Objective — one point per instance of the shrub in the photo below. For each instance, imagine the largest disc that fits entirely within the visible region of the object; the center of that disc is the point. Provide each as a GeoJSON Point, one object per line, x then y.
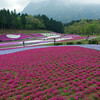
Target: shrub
{"type": "Point", "coordinates": [93, 41]}
{"type": "Point", "coordinates": [58, 43]}
{"type": "Point", "coordinates": [69, 43]}
{"type": "Point", "coordinates": [79, 42]}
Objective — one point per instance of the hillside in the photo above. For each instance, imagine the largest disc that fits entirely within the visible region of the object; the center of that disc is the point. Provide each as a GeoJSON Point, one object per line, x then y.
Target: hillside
{"type": "Point", "coordinates": [61, 11]}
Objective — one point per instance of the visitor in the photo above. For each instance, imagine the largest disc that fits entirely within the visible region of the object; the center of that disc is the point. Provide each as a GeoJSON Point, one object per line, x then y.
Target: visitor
{"type": "Point", "coordinates": [23, 43]}
{"type": "Point", "coordinates": [54, 40]}
{"type": "Point", "coordinates": [87, 37]}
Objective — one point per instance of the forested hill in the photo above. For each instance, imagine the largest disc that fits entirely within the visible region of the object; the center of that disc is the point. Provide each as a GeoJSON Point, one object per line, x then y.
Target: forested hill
{"type": "Point", "coordinates": [85, 27]}
{"type": "Point", "coordinates": [64, 12]}
{"type": "Point", "coordinates": [12, 20]}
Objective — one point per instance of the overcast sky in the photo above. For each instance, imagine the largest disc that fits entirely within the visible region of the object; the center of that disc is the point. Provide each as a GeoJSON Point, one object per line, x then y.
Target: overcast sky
{"type": "Point", "coordinates": [20, 4]}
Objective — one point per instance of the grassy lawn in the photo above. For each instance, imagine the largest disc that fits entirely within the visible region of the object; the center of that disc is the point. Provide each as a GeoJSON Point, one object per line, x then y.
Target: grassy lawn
{"type": "Point", "coordinates": [22, 31]}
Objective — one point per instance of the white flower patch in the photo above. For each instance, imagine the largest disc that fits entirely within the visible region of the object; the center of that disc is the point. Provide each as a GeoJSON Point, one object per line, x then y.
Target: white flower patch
{"type": "Point", "coordinates": [13, 36]}
{"type": "Point", "coordinates": [56, 36]}
{"type": "Point", "coordinates": [48, 34]}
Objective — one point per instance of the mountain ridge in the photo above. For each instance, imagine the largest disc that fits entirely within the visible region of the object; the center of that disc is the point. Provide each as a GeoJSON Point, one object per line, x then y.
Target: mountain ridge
{"type": "Point", "coordinates": [63, 12]}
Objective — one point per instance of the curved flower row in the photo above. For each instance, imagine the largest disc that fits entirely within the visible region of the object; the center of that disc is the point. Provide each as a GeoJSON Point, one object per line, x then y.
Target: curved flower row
{"type": "Point", "coordinates": [36, 35]}
{"type": "Point", "coordinates": [73, 38]}
{"type": "Point", "coordinates": [53, 73]}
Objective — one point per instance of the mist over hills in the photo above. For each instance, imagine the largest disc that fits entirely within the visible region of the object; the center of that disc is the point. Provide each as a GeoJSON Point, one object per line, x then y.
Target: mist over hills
{"type": "Point", "coordinates": [64, 12]}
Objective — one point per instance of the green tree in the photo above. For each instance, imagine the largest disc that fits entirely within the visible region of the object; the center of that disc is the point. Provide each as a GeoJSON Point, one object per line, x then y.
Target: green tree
{"type": "Point", "coordinates": [14, 20]}
{"type": "Point", "coordinates": [3, 18]}
{"type": "Point", "coordinates": [18, 22]}
{"type": "Point", "coordinates": [23, 20]}
{"type": "Point", "coordinates": [38, 24]}
{"type": "Point", "coordinates": [89, 29]}
{"type": "Point", "coordinates": [29, 22]}
{"type": "Point", "coordinates": [33, 23]}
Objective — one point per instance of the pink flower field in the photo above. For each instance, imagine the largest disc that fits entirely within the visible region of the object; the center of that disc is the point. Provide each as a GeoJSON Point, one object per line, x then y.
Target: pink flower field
{"type": "Point", "coordinates": [53, 73]}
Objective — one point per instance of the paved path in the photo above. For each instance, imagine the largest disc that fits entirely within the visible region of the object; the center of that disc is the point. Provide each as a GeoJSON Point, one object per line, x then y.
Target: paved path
{"type": "Point", "coordinates": [19, 49]}
{"type": "Point", "coordinates": [96, 47]}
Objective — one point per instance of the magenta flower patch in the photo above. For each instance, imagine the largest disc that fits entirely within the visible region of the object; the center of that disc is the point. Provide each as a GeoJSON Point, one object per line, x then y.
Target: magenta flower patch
{"type": "Point", "coordinates": [53, 73]}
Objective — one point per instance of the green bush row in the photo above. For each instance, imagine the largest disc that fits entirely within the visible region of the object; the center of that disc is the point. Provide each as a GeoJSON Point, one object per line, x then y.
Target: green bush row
{"type": "Point", "coordinates": [93, 41]}
{"type": "Point", "coordinates": [58, 43]}
{"type": "Point", "coordinates": [71, 43]}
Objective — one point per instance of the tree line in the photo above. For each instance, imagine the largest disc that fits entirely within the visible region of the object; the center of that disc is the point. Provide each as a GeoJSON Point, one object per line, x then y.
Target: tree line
{"type": "Point", "coordinates": [12, 20]}
{"type": "Point", "coordinates": [83, 26]}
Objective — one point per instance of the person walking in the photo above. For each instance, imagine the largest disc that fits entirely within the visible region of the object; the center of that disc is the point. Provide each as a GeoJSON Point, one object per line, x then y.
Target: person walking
{"type": "Point", "coordinates": [87, 37]}
{"type": "Point", "coordinates": [23, 43]}
{"type": "Point", "coordinates": [54, 40]}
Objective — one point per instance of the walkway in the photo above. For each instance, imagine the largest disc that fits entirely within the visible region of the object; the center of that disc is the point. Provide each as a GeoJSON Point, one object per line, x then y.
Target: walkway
{"type": "Point", "coordinates": [96, 47]}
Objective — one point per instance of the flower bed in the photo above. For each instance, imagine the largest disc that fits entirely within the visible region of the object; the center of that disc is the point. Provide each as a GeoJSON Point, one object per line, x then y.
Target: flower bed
{"type": "Point", "coordinates": [50, 34]}
{"type": "Point", "coordinates": [74, 38]}
{"type": "Point", "coordinates": [36, 35]}
{"type": "Point", "coordinates": [9, 37]}
{"type": "Point", "coordinates": [53, 73]}
{"type": "Point", "coordinates": [73, 35]}
{"type": "Point", "coordinates": [9, 43]}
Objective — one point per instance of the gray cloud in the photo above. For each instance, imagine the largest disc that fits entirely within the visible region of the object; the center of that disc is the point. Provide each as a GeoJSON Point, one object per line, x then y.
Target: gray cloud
{"type": "Point", "coordinates": [20, 4]}
{"type": "Point", "coordinates": [38, 0]}
{"type": "Point", "coordinates": [73, 1]}
{"type": "Point", "coordinates": [13, 4]}
{"type": "Point", "coordinates": [83, 1]}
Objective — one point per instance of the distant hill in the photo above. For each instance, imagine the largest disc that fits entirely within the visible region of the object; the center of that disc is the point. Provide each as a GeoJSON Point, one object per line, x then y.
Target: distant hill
{"type": "Point", "coordinates": [61, 11]}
